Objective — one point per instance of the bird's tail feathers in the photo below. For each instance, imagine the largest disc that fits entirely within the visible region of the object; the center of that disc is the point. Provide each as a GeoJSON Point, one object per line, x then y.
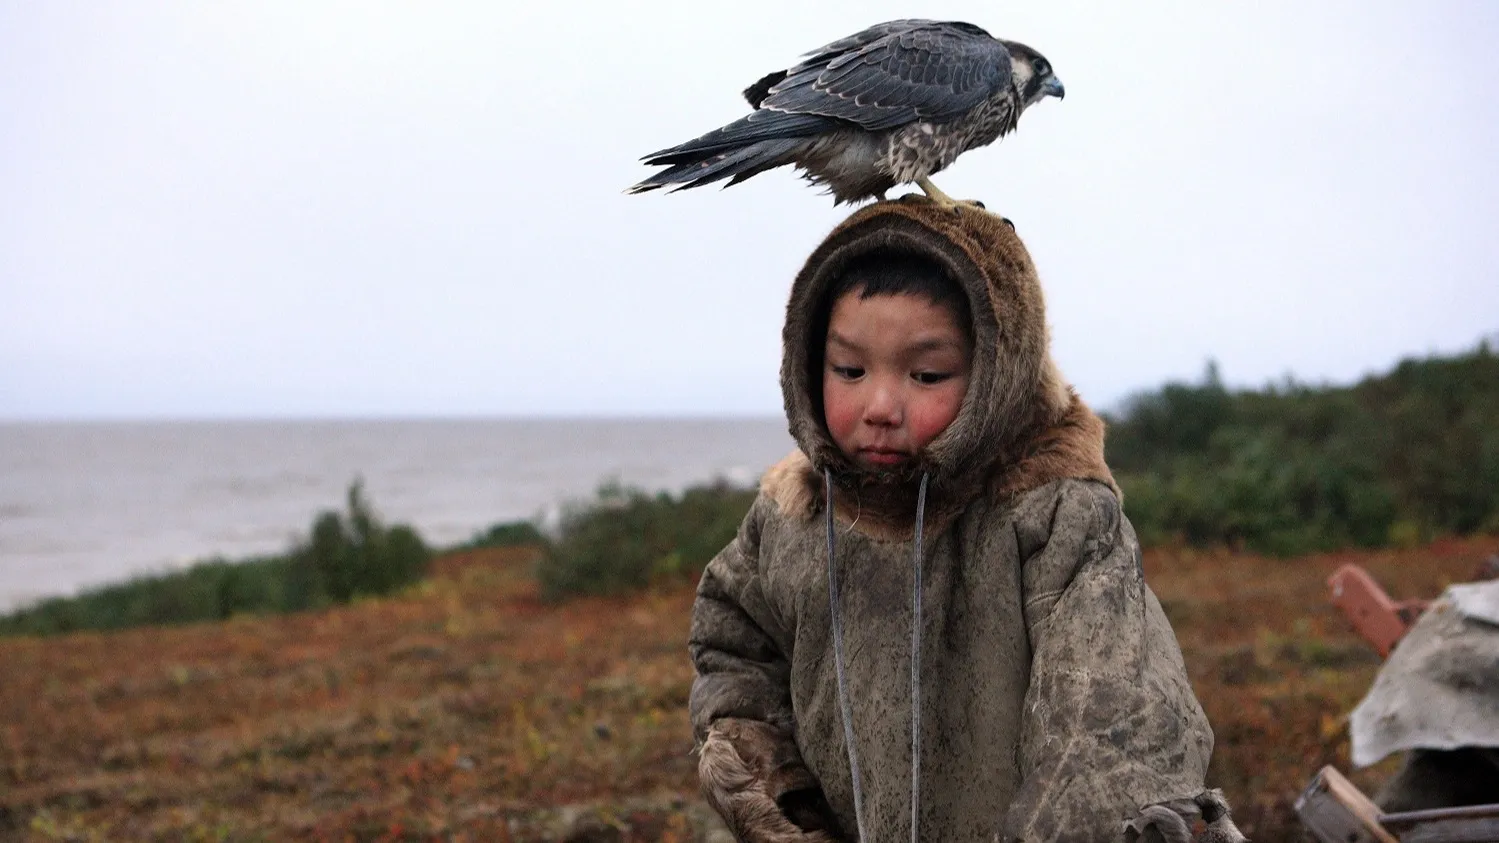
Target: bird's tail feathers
{"type": "Point", "coordinates": [751, 128]}
{"type": "Point", "coordinates": [712, 166]}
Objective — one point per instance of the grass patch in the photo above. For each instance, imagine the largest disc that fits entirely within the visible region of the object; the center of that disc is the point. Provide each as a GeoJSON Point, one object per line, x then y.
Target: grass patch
{"type": "Point", "coordinates": [308, 727]}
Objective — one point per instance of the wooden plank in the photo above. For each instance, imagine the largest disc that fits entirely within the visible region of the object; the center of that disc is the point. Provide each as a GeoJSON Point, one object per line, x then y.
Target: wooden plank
{"type": "Point", "coordinates": [1337, 812]}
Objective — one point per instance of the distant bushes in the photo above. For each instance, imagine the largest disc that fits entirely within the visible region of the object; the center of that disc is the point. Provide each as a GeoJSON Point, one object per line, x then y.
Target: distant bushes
{"type": "Point", "coordinates": [1394, 459]}
{"type": "Point", "coordinates": [626, 538]}
{"type": "Point", "coordinates": [505, 534]}
{"type": "Point", "coordinates": [347, 555]}
{"type": "Point", "coordinates": [206, 591]}
{"type": "Point", "coordinates": [621, 539]}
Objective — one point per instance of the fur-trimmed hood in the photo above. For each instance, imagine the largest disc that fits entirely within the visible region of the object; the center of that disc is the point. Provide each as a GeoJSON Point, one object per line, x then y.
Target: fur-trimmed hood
{"type": "Point", "coordinates": [1020, 425]}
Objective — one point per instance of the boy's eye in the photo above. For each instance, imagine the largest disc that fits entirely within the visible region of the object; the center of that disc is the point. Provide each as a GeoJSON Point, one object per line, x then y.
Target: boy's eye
{"type": "Point", "coordinates": [848, 373]}
{"type": "Point", "coordinates": [931, 378]}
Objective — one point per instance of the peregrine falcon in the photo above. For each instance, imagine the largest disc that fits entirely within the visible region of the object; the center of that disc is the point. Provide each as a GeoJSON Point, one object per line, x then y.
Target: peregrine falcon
{"type": "Point", "coordinates": [890, 105]}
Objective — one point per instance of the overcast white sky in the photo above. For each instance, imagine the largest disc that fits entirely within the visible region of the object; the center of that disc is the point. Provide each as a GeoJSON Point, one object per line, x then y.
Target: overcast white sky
{"type": "Point", "coordinates": [347, 209]}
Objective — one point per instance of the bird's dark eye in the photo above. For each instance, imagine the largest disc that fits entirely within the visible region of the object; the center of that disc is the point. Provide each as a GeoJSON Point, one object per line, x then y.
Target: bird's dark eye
{"type": "Point", "coordinates": [1041, 67]}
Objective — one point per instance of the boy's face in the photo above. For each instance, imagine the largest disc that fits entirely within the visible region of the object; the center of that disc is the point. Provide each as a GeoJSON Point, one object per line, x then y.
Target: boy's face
{"type": "Point", "coordinates": [895, 372]}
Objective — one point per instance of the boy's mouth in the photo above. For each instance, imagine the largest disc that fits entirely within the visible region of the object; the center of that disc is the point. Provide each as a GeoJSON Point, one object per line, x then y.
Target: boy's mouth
{"type": "Point", "coordinates": [882, 456]}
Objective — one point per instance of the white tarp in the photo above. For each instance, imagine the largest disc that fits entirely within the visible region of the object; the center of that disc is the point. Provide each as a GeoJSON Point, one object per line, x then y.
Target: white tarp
{"type": "Point", "coordinates": [1478, 600]}
{"type": "Point", "coordinates": [1439, 689]}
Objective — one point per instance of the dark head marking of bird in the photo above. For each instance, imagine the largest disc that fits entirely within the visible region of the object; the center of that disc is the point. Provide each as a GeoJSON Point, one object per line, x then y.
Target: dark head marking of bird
{"type": "Point", "coordinates": [1033, 74]}
{"type": "Point", "coordinates": [890, 105]}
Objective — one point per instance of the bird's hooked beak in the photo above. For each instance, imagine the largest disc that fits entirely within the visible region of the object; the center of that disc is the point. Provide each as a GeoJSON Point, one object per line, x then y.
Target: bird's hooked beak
{"type": "Point", "coordinates": [1053, 88]}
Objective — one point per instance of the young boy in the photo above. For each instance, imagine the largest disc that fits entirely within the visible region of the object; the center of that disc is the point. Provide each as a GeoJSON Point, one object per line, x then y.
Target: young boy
{"type": "Point", "coordinates": [945, 549]}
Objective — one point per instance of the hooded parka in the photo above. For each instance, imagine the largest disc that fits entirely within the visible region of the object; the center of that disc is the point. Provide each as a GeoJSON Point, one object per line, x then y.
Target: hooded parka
{"type": "Point", "coordinates": [1054, 704]}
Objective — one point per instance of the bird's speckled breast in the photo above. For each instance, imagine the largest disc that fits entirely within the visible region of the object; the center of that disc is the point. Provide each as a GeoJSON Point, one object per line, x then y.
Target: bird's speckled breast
{"type": "Point", "coordinates": [923, 148]}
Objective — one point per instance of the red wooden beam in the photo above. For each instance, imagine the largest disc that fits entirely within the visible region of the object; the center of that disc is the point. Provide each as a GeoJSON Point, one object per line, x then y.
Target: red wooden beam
{"type": "Point", "coordinates": [1380, 620]}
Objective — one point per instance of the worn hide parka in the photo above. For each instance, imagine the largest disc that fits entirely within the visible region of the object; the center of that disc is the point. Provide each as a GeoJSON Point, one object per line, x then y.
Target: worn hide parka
{"type": "Point", "coordinates": [1053, 702]}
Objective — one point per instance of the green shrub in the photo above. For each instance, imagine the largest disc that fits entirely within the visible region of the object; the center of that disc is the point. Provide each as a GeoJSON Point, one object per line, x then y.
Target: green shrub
{"type": "Point", "coordinates": [355, 555]}
{"type": "Point", "coordinates": [626, 538]}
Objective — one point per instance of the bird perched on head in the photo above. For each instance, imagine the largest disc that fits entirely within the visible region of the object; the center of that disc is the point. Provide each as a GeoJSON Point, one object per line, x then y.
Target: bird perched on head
{"type": "Point", "coordinates": [887, 106]}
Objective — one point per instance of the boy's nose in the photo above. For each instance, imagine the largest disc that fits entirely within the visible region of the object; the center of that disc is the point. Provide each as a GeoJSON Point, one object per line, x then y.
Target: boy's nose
{"type": "Point", "coordinates": [883, 408]}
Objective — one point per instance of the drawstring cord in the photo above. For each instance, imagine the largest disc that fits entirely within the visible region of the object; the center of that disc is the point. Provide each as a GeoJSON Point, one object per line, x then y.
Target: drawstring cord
{"type": "Point", "coordinates": [843, 702]}
{"type": "Point", "coordinates": [916, 625]}
{"type": "Point", "coordinates": [844, 705]}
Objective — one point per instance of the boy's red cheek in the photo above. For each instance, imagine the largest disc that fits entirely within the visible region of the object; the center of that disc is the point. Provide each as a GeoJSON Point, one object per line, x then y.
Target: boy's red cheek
{"type": "Point", "coordinates": [839, 412]}
{"type": "Point", "coordinates": [928, 421]}
{"type": "Point", "coordinates": [926, 427]}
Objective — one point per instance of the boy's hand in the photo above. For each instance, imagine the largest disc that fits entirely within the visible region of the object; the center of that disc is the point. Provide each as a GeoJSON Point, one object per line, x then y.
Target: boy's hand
{"type": "Point", "coordinates": [753, 776]}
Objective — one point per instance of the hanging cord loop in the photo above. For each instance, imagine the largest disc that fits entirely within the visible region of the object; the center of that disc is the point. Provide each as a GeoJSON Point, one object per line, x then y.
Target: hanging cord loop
{"type": "Point", "coordinates": [845, 707]}
{"type": "Point", "coordinates": [916, 624]}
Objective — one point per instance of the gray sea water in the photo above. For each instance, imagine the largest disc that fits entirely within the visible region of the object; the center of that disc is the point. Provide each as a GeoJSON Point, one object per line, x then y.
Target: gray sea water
{"type": "Point", "coordinates": [84, 504]}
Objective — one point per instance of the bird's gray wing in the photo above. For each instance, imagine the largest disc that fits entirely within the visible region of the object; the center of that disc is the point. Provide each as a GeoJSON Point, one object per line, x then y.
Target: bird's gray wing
{"type": "Point", "coordinates": [820, 57]}
{"type": "Point", "coordinates": [827, 52]}
{"type": "Point", "coordinates": [911, 70]}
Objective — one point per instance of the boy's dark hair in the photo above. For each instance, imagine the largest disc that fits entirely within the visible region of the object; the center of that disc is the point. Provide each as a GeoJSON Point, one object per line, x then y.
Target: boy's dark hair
{"type": "Point", "coordinates": [890, 273]}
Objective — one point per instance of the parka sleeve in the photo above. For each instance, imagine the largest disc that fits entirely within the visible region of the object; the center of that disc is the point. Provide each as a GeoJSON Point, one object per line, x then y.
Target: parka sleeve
{"type": "Point", "coordinates": [749, 766]}
{"type": "Point", "coordinates": [1111, 724]}
{"type": "Point", "coordinates": [741, 669]}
